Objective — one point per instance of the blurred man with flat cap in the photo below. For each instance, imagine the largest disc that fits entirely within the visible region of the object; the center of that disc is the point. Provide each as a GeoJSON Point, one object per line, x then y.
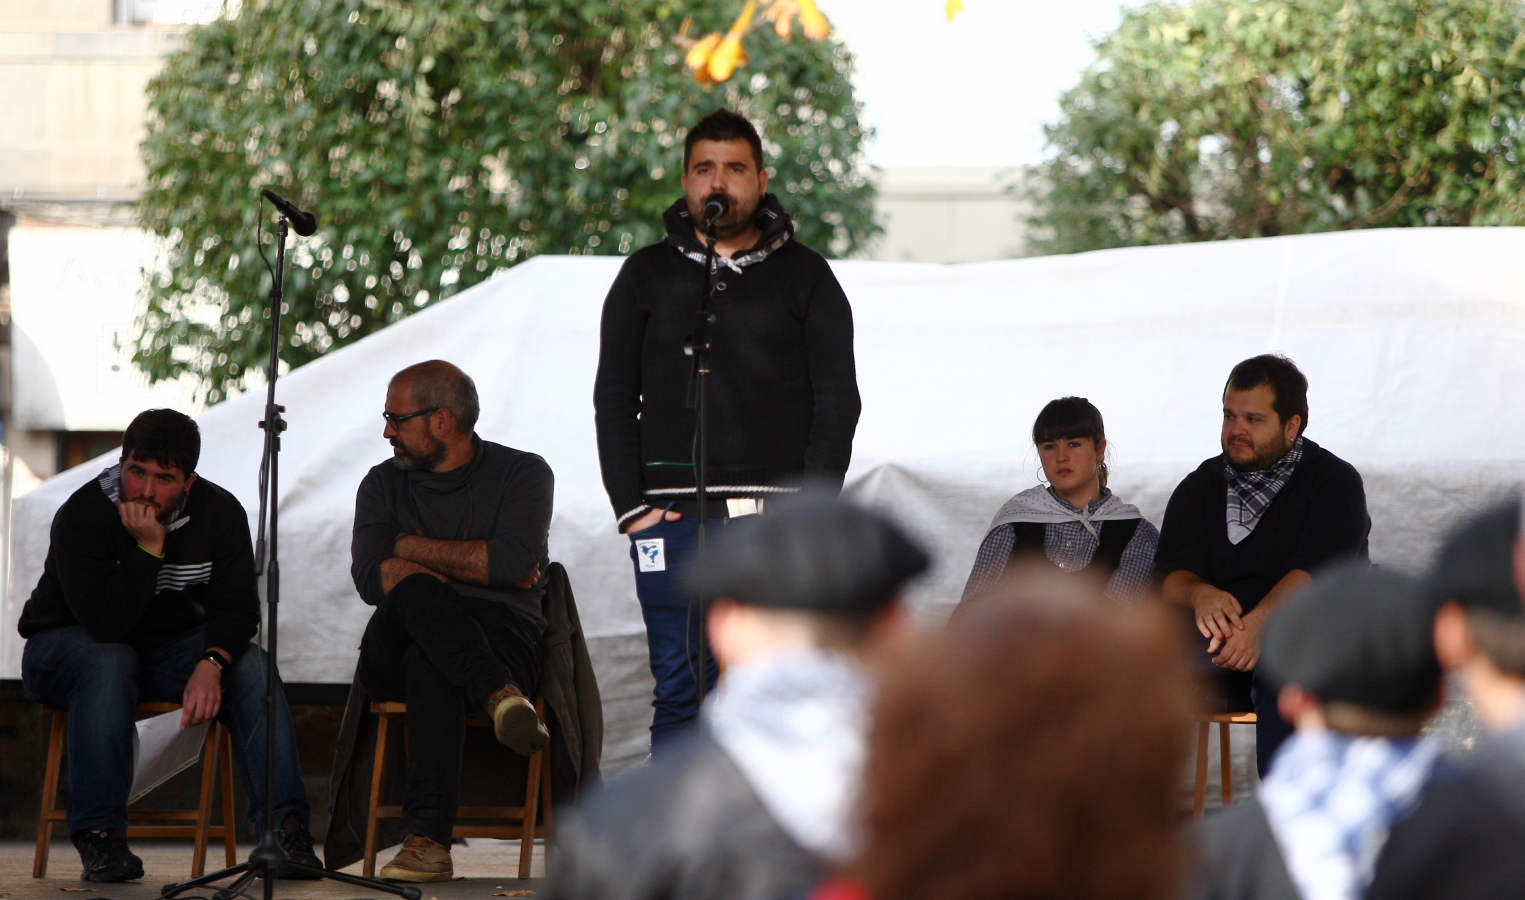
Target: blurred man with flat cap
{"type": "Point", "coordinates": [1466, 837]}
{"type": "Point", "coordinates": [754, 803]}
{"type": "Point", "coordinates": [1360, 679]}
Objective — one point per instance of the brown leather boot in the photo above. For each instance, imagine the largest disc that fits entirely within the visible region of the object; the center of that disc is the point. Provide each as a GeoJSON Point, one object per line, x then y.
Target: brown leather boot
{"type": "Point", "coordinates": [420, 859]}
{"type": "Point", "coordinates": [514, 721]}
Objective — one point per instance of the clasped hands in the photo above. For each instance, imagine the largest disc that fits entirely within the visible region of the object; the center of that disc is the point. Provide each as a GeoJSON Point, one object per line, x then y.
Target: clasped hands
{"type": "Point", "coordinates": [1233, 637]}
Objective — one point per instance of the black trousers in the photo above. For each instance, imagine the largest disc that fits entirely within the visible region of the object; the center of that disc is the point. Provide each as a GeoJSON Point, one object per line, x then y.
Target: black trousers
{"type": "Point", "coordinates": [1223, 690]}
{"type": "Point", "coordinates": [443, 654]}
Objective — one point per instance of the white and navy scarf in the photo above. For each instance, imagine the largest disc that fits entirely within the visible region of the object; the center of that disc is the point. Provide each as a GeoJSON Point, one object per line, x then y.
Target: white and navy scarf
{"type": "Point", "coordinates": [1331, 799]}
{"type": "Point", "coordinates": [1251, 493]}
{"type": "Point", "coordinates": [795, 726]}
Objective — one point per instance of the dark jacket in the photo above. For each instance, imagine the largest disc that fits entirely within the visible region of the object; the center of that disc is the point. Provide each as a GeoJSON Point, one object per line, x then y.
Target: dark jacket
{"type": "Point", "coordinates": [1319, 515]}
{"type": "Point", "coordinates": [782, 397]}
{"type": "Point", "coordinates": [689, 827]}
{"type": "Point", "coordinates": [1238, 859]}
{"type": "Point", "coordinates": [95, 574]}
{"type": "Point", "coordinates": [574, 712]}
{"type": "Point", "coordinates": [1463, 840]}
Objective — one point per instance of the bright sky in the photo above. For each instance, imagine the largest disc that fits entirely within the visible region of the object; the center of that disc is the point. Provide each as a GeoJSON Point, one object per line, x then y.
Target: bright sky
{"type": "Point", "coordinates": [974, 92]}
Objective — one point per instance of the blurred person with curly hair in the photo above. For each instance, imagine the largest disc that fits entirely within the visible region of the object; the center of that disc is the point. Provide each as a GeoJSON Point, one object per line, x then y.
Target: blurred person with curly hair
{"type": "Point", "coordinates": [997, 767]}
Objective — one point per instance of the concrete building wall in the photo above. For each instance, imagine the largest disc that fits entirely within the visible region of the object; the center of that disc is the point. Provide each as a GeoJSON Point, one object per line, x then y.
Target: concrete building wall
{"type": "Point", "coordinates": [73, 80]}
{"type": "Point", "coordinates": [949, 215]}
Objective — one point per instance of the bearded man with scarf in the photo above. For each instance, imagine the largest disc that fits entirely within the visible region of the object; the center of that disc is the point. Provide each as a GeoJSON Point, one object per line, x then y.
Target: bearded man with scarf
{"type": "Point", "coordinates": [782, 390]}
{"type": "Point", "coordinates": [1243, 531]}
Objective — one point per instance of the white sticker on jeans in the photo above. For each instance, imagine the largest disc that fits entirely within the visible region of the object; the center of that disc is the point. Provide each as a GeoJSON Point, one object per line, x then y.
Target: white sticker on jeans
{"type": "Point", "coordinates": [649, 556]}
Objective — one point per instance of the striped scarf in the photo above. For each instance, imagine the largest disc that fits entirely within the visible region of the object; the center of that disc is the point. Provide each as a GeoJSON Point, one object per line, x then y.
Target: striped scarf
{"type": "Point", "coordinates": [1251, 493]}
{"type": "Point", "coordinates": [1331, 799]}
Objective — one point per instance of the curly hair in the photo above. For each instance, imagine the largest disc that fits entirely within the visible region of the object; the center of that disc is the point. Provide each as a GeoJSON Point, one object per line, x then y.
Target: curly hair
{"type": "Point", "coordinates": [1031, 749]}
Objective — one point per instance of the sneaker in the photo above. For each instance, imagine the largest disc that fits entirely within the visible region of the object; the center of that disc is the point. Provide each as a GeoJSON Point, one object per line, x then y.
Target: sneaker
{"type": "Point", "coordinates": [296, 840]}
{"type": "Point", "coordinates": [515, 722]}
{"type": "Point", "coordinates": [420, 859]}
{"type": "Point", "coordinates": [106, 856]}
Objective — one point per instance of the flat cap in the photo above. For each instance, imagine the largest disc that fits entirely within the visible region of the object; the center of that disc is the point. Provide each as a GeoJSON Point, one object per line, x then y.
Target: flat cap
{"type": "Point", "coordinates": [1475, 565]}
{"type": "Point", "coordinates": [1357, 635]}
{"type": "Point", "coordinates": [815, 552]}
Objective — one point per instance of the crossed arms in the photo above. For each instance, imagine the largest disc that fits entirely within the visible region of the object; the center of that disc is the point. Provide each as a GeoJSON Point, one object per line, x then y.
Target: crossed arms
{"type": "Point", "coordinates": [464, 561]}
{"type": "Point", "coordinates": [502, 547]}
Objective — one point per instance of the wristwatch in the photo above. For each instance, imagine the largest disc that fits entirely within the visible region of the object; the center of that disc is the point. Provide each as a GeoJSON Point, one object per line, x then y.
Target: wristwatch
{"type": "Point", "coordinates": [215, 659]}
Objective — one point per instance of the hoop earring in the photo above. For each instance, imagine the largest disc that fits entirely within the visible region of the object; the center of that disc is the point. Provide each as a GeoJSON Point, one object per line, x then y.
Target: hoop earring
{"type": "Point", "coordinates": [1040, 477]}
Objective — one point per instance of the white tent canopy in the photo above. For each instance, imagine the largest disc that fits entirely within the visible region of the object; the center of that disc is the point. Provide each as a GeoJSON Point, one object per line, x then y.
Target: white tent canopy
{"type": "Point", "coordinates": [1411, 340]}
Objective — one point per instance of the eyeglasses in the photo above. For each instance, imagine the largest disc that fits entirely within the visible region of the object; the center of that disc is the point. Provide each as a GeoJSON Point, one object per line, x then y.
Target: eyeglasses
{"type": "Point", "coordinates": [396, 419]}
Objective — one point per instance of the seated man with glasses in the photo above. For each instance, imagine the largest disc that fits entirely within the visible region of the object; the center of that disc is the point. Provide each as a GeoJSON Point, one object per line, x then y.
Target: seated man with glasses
{"type": "Point", "coordinates": [450, 547]}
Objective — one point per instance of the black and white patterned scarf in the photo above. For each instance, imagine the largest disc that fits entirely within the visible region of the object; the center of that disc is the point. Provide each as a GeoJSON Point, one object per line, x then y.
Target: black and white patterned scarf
{"type": "Point", "coordinates": [1251, 493]}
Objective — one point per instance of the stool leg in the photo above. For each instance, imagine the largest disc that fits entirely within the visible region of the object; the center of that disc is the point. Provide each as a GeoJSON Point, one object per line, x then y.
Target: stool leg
{"type": "Point", "coordinates": [229, 831]}
{"type": "Point", "coordinates": [546, 804]}
{"type": "Point", "coordinates": [204, 804]}
{"type": "Point", "coordinates": [1226, 764]}
{"type": "Point", "coordinates": [378, 760]}
{"type": "Point", "coordinates": [49, 793]}
{"type": "Point", "coordinates": [1199, 796]}
{"type": "Point", "coordinates": [531, 810]}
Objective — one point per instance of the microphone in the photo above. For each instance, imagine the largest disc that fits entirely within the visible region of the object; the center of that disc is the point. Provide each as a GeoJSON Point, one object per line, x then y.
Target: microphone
{"type": "Point", "coordinates": [715, 206]}
{"type": "Point", "coordinates": [303, 223]}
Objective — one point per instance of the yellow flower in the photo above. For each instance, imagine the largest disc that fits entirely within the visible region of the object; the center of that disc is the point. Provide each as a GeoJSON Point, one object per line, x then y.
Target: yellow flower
{"type": "Point", "coordinates": [699, 55]}
{"type": "Point", "coordinates": [728, 54]}
{"type": "Point", "coordinates": [782, 13]}
{"type": "Point", "coordinates": [726, 58]}
{"type": "Point", "coordinates": [812, 22]}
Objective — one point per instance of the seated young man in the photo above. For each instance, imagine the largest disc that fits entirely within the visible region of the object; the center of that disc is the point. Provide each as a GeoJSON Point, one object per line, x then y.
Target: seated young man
{"type": "Point", "coordinates": [148, 593]}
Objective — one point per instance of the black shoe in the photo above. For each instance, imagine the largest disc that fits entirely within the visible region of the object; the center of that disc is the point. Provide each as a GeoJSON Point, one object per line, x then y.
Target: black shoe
{"type": "Point", "coordinates": [106, 856]}
{"type": "Point", "coordinates": [296, 840]}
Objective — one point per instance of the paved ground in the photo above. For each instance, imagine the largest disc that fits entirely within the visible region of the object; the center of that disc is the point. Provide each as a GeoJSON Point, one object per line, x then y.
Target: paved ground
{"type": "Point", "coordinates": [483, 868]}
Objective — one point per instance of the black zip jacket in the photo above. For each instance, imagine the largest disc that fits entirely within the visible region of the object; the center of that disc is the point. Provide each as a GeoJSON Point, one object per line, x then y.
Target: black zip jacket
{"type": "Point", "coordinates": [783, 393]}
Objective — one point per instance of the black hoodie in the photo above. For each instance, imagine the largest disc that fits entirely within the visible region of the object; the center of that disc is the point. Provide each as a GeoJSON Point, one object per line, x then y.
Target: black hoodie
{"type": "Point", "coordinates": [783, 391]}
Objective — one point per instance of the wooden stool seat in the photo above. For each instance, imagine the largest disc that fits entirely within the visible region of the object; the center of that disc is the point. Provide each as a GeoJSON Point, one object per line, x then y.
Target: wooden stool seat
{"type": "Point", "coordinates": [527, 822]}
{"type": "Point", "coordinates": [216, 752]}
{"type": "Point", "coordinates": [1225, 761]}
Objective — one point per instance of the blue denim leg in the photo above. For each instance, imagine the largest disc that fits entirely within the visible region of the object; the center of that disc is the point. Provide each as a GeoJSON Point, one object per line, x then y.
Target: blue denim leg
{"type": "Point", "coordinates": [98, 684]}
{"type": "Point", "coordinates": [673, 626]}
{"type": "Point", "coordinates": [167, 665]}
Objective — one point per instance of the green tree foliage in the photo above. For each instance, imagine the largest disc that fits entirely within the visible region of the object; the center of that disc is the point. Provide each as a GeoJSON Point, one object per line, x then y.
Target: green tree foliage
{"type": "Point", "coordinates": [441, 142]}
{"type": "Point", "coordinates": [1239, 118]}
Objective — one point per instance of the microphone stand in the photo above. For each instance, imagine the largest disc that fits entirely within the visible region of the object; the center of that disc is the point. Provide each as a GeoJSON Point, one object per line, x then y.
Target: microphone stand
{"type": "Point", "coordinates": [268, 860]}
{"type": "Point", "coordinates": [698, 346]}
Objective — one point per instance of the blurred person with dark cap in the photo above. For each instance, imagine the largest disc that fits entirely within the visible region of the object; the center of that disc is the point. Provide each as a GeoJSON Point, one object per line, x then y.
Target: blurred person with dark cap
{"type": "Point", "coordinates": [1360, 680]}
{"type": "Point", "coordinates": [1467, 836]}
{"type": "Point", "coordinates": [754, 803]}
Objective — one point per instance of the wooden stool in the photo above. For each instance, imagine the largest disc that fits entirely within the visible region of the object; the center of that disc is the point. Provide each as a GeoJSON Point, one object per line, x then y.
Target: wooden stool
{"type": "Point", "coordinates": [177, 823]}
{"type": "Point", "coordinates": [1225, 761]}
{"type": "Point", "coordinates": [527, 822]}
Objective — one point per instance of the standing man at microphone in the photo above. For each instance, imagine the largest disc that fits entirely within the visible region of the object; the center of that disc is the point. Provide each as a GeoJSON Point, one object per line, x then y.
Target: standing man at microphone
{"type": "Point", "coordinates": [782, 390]}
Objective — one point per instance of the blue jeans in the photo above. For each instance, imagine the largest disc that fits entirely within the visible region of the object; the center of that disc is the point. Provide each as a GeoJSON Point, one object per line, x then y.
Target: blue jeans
{"type": "Point", "coordinates": [673, 625]}
{"type": "Point", "coordinates": [101, 683]}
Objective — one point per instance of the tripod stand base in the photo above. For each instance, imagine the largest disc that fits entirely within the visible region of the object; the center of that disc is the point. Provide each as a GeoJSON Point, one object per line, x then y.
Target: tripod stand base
{"type": "Point", "coordinates": [268, 861]}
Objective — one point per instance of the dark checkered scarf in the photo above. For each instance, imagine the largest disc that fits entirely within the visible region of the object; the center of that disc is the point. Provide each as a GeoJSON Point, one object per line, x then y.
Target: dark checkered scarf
{"type": "Point", "coordinates": [1251, 493]}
